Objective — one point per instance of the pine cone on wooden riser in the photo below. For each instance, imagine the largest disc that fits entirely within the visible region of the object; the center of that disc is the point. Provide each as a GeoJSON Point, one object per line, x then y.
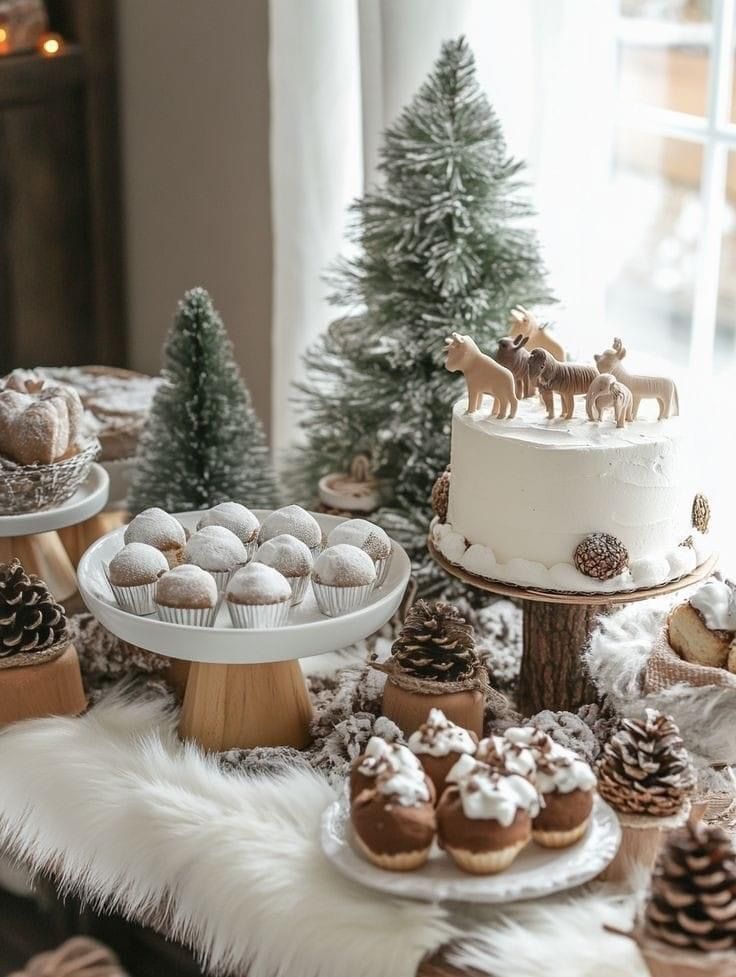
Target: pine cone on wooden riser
{"type": "Point", "coordinates": [645, 768]}
{"type": "Point", "coordinates": [30, 618]}
{"type": "Point", "coordinates": [436, 642]}
{"type": "Point", "coordinates": [693, 896]}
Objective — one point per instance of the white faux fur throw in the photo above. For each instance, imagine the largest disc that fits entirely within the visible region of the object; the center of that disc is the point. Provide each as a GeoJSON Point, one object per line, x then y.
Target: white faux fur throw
{"type": "Point", "coordinates": [133, 820]}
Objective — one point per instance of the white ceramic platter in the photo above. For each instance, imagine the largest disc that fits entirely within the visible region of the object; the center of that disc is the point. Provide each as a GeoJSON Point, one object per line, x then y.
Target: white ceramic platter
{"type": "Point", "coordinates": [307, 632]}
{"type": "Point", "coordinates": [536, 871]}
{"type": "Point", "coordinates": [89, 499]}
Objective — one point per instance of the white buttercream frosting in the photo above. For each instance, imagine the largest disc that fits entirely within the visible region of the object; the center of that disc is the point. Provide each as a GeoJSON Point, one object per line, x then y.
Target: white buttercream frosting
{"type": "Point", "coordinates": [404, 786]}
{"type": "Point", "coordinates": [716, 601]}
{"type": "Point", "coordinates": [439, 737]}
{"type": "Point", "coordinates": [380, 755]}
{"type": "Point", "coordinates": [556, 481]}
{"type": "Point", "coordinates": [513, 757]}
{"type": "Point", "coordinates": [489, 797]}
{"type": "Point", "coordinates": [564, 772]}
{"type": "Point", "coordinates": [463, 767]}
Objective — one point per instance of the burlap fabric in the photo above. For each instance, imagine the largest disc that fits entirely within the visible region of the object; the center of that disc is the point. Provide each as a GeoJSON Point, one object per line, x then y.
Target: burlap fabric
{"type": "Point", "coordinates": [478, 681]}
{"type": "Point", "coordinates": [665, 668]}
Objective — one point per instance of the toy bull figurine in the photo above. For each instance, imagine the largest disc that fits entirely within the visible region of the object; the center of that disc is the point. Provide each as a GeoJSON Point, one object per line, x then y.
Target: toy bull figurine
{"type": "Point", "coordinates": [661, 389]}
{"type": "Point", "coordinates": [482, 376]}
{"type": "Point", "coordinates": [526, 324]}
{"type": "Point", "coordinates": [511, 354]}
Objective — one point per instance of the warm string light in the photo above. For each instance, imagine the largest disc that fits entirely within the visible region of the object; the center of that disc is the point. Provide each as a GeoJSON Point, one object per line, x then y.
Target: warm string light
{"type": "Point", "coordinates": [50, 45]}
{"type": "Point", "coordinates": [4, 40]}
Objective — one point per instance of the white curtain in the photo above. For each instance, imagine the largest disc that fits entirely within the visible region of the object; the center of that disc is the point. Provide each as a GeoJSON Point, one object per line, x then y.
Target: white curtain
{"type": "Point", "coordinates": [341, 70]}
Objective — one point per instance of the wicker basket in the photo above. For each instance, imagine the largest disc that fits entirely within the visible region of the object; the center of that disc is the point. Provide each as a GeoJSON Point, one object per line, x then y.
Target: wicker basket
{"type": "Point", "coordinates": [30, 488]}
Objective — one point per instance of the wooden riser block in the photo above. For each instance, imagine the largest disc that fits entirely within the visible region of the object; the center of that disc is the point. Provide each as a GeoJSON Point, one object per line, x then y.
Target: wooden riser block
{"type": "Point", "coordinates": [639, 850]}
{"type": "Point", "coordinates": [44, 555]}
{"type": "Point", "coordinates": [51, 689]}
{"type": "Point", "coordinates": [242, 706]}
{"type": "Point", "coordinates": [410, 709]}
{"type": "Point", "coordinates": [76, 539]}
{"type": "Point", "coordinates": [177, 675]}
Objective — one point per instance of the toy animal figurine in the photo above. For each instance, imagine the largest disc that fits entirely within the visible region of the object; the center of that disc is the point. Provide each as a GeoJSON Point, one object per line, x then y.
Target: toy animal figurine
{"type": "Point", "coordinates": [511, 354]}
{"type": "Point", "coordinates": [482, 376]}
{"type": "Point", "coordinates": [661, 389]}
{"type": "Point", "coordinates": [526, 323]}
{"type": "Point", "coordinates": [566, 379]}
{"type": "Point", "coordinates": [605, 391]}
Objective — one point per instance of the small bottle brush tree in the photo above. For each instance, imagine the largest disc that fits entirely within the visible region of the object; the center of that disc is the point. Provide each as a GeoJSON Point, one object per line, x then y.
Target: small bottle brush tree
{"type": "Point", "coordinates": [203, 442]}
{"type": "Point", "coordinates": [442, 247]}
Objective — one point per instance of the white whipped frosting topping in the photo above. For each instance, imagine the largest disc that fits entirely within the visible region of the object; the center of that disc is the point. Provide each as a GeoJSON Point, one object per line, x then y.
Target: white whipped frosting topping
{"type": "Point", "coordinates": [439, 737]}
{"type": "Point", "coordinates": [516, 756]}
{"type": "Point", "coordinates": [404, 787]}
{"type": "Point", "coordinates": [392, 756]}
{"type": "Point", "coordinates": [716, 601]}
{"type": "Point", "coordinates": [463, 767]}
{"type": "Point", "coordinates": [486, 798]}
{"type": "Point", "coordinates": [564, 772]}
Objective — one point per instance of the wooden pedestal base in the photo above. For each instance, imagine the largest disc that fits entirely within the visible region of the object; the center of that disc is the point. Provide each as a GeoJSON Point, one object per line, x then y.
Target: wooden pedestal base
{"type": "Point", "coordinates": [228, 706]}
{"type": "Point", "coordinates": [51, 689]}
{"type": "Point", "coordinates": [410, 709]}
{"type": "Point", "coordinates": [43, 554]}
{"type": "Point", "coordinates": [639, 850]}
{"type": "Point", "coordinates": [77, 538]}
{"type": "Point", "coordinates": [553, 674]}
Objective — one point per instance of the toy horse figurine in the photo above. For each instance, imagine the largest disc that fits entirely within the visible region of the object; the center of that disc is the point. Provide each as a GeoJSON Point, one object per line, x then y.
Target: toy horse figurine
{"type": "Point", "coordinates": [511, 354]}
{"type": "Point", "coordinates": [661, 389]}
{"type": "Point", "coordinates": [482, 376]}
{"type": "Point", "coordinates": [525, 324]}
{"type": "Point", "coordinates": [566, 379]}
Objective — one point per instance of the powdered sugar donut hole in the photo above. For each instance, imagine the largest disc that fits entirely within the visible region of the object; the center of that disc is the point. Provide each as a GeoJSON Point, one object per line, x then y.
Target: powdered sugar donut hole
{"type": "Point", "coordinates": [132, 575]}
{"type": "Point", "coordinates": [237, 518]}
{"type": "Point", "coordinates": [293, 521]}
{"type": "Point", "coordinates": [368, 537]}
{"type": "Point", "coordinates": [187, 595]}
{"type": "Point", "coordinates": [159, 529]}
{"type": "Point", "coordinates": [342, 579]}
{"type": "Point", "coordinates": [258, 596]}
{"type": "Point", "coordinates": [217, 550]}
{"type": "Point", "coordinates": [292, 558]}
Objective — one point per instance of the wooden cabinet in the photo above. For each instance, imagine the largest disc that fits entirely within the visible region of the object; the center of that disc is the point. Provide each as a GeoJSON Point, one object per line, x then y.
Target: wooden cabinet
{"type": "Point", "coordinates": [61, 281]}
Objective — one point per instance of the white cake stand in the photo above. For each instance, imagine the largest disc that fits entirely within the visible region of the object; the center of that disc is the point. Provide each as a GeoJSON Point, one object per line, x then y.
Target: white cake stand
{"type": "Point", "coordinates": [33, 537]}
{"type": "Point", "coordinates": [245, 687]}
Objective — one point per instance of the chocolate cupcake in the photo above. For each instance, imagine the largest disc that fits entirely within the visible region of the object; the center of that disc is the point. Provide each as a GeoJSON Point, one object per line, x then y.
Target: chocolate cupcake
{"type": "Point", "coordinates": [258, 596]}
{"type": "Point", "coordinates": [367, 537]}
{"type": "Point", "coordinates": [216, 550]}
{"type": "Point", "coordinates": [342, 579]}
{"type": "Point", "coordinates": [132, 575]}
{"type": "Point", "coordinates": [157, 528]}
{"type": "Point", "coordinates": [566, 785]}
{"type": "Point", "coordinates": [439, 744]}
{"type": "Point", "coordinates": [381, 757]}
{"type": "Point", "coordinates": [485, 820]}
{"type": "Point", "coordinates": [292, 558]}
{"type": "Point", "coordinates": [238, 519]}
{"type": "Point", "coordinates": [187, 594]}
{"type": "Point", "coordinates": [394, 821]}
{"type": "Point", "coordinates": [293, 521]}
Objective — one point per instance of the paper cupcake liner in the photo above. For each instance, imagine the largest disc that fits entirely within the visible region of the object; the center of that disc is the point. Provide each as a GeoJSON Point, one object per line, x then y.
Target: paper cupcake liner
{"type": "Point", "coordinates": [136, 600]}
{"type": "Point", "coordinates": [198, 617]}
{"type": "Point", "coordinates": [258, 615]}
{"type": "Point", "coordinates": [298, 589]}
{"type": "Point", "coordinates": [250, 548]}
{"type": "Point", "coordinates": [334, 601]}
{"type": "Point", "coordinates": [382, 568]}
{"type": "Point", "coordinates": [316, 550]}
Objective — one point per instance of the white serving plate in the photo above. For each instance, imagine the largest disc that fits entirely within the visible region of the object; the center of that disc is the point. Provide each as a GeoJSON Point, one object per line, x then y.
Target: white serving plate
{"type": "Point", "coordinates": [535, 872]}
{"type": "Point", "coordinates": [307, 632]}
{"type": "Point", "coordinates": [89, 499]}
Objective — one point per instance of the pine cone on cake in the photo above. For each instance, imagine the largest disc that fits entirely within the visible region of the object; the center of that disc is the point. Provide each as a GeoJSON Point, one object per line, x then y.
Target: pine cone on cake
{"type": "Point", "coordinates": [701, 513]}
{"type": "Point", "coordinates": [693, 896]}
{"type": "Point", "coordinates": [436, 643]}
{"type": "Point", "coordinates": [441, 495]}
{"type": "Point", "coordinates": [645, 768]}
{"type": "Point", "coordinates": [601, 556]}
{"type": "Point", "coordinates": [30, 618]}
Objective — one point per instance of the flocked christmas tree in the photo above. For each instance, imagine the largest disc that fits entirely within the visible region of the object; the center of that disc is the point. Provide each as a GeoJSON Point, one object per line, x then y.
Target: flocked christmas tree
{"type": "Point", "coordinates": [203, 442]}
{"type": "Point", "coordinates": [444, 244]}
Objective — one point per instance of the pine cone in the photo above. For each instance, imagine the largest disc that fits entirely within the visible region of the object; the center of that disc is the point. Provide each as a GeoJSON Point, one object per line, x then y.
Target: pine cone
{"type": "Point", "coordinates": [30, 618]}
{"type": "Point", "coordinates": [701, 513]}
{"type": "Point", "coordinates": [601, 556]}
{"type": "Point", "coordinates": [693, 896]}
{"type": "Point", "coordinates": [436, 642]}
{"type": "Point", "coordinates": [645, 768]}
{"type": "Point", "coordinates": [441, 495]}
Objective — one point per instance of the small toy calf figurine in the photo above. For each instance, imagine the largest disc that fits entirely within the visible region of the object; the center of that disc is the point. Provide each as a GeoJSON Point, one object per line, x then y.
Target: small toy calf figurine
{"type": "Point", "coordinates": [482, 376]}
{"type": "Point", "coordinates": [566, 379]}
{"type": "Point", "coordinates": [511, 354]}
{"type": "Point", "coordinates": [605, 391]}
{"type": "Point", "coordinates": [526, 323]}
{"type": "Point", "coordinates": [661, 389]}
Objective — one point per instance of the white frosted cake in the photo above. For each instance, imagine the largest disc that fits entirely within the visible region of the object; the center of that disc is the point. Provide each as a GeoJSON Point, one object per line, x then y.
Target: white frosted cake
{"type": "Point", "coordinates": [526, 492]}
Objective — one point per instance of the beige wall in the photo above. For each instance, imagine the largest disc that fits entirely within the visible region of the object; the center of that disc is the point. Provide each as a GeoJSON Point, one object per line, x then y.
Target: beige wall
{"type": "Point", "coordinates": [195, 120]}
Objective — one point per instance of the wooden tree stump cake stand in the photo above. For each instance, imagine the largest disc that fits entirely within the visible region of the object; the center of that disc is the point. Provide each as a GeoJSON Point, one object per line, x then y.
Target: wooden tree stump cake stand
{"type": "Point", "coordinates": [34, 539]}
{"type": "Point", "coordinates": [245, 687]}
{"type": "Point", "coordinates": [556, 628]}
